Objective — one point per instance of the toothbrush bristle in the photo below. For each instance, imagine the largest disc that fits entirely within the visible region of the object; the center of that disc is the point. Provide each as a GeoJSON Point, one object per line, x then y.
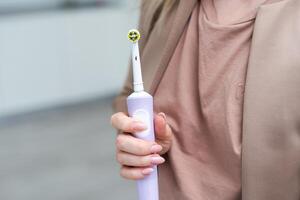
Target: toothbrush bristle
{"type": "Point", "coordinates": [134, 35]}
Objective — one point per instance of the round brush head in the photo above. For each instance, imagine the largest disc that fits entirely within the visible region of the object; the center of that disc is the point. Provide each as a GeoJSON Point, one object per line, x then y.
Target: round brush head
{"type": "Point", "coordinates": [134, 35]}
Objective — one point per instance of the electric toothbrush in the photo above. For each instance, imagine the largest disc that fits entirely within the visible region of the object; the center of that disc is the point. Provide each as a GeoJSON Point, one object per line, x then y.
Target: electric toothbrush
{"type": "Point", "coordinates": [140, 106]}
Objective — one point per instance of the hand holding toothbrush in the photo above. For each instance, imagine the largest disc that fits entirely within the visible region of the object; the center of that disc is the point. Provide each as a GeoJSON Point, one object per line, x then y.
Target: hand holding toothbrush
{"type": "Point", "coordinates": [144, 135]}
{"type": "Point", "coordinates": [137, 156]}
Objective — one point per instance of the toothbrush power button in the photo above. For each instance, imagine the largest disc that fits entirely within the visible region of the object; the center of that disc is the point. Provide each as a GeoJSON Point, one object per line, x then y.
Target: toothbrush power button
{"type": "Point", "coordinates": [142, 115]}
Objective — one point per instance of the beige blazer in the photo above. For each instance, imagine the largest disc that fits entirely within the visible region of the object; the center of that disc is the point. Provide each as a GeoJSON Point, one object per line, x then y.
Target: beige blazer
{"type": "Point", "coordinates": [271, 119]}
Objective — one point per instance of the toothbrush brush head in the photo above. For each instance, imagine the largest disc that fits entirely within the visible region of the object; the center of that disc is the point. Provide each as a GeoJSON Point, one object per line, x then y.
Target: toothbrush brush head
{"type": "Point", "coordinates": [134, 35]}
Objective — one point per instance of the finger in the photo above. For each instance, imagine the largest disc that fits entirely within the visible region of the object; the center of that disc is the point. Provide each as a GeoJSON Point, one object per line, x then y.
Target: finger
{"type": "Point", "coordinates": [162, 130]}
{"type": "Point", "coordinates": [135, 173]}
{"type": "Point", "coordinates": [136, 146]}
{"type": "Point", "coordinates": [139, 161]}
{"type": "Point", "coordinates": [124, 123]}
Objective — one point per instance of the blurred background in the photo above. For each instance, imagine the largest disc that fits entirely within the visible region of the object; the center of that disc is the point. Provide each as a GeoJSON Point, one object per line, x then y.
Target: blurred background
{"type": "Point", "coordinates": [61, 64]}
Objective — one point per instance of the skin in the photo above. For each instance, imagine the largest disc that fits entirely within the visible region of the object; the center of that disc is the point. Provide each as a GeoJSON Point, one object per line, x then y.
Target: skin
{"type": "Point", "coordinates": [137, 157]}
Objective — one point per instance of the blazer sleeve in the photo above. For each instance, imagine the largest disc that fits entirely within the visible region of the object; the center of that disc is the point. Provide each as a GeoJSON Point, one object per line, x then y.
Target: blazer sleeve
{"type": "Point", "coordinates": [149, 11]}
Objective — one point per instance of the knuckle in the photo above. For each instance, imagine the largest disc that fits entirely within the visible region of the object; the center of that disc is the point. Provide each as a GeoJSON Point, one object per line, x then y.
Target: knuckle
{"type": "Point", "coordinates": [115, 118]}
{"type": "Point", "coordinates": [122, 173]}
{"type": "Point", "coordinates": [112, 118]}
{"type": "Point", "coordinates": [169, 132]}
{"type": "Point", "coordinates": [119, 158]}
{"type": "Point", "coordinates": [119, 141]}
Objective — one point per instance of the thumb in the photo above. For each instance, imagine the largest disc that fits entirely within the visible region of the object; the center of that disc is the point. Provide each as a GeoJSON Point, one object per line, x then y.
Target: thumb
{"type": "Point", "coordinates": [163, 132]}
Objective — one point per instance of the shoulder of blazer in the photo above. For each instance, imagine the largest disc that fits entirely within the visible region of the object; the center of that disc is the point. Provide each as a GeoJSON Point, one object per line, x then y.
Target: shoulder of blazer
{"type": "Point", "coordinates": [149, 13]}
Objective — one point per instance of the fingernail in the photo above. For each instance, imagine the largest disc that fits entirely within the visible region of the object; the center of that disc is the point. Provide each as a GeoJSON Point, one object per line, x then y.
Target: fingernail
{"type": "Point", "coordinates": [139, 126]}
{"type": "Point", "coordinates": [156, 148]}
{"type": "Point", "coordinates": [163, 115]}
{"type": "Point", "coordinates": [157, 160]}
{"type": "Point", "coordinates": [147, 171]}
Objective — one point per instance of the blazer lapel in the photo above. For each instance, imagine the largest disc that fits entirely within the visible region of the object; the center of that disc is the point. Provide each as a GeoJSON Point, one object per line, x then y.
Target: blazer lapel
{"type": "Point", "coordinates": [183, 13]}
{"type": "Point", "coordinates": [271, 139]}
